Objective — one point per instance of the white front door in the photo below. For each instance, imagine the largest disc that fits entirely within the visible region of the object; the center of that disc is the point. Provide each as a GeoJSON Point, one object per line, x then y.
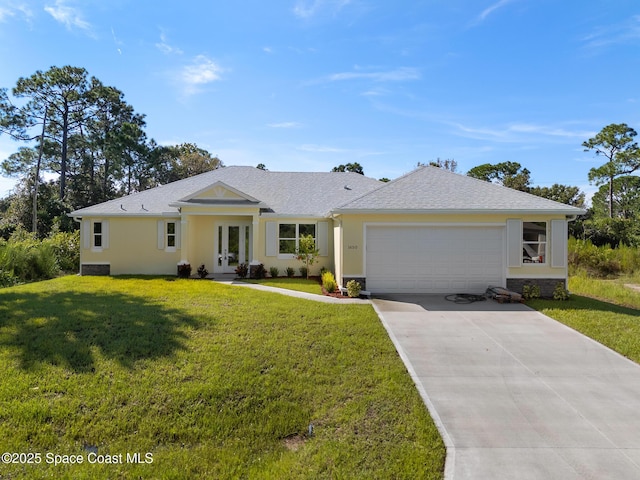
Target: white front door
{"type": "Point", "coordinates": [233, 245]}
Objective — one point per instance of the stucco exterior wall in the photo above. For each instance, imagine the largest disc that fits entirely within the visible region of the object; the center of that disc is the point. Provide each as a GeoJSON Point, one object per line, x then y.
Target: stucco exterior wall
{"type": "Point", "coordinates": [353, 248]}
{"type": "Point", "coordinates": [132, 248]}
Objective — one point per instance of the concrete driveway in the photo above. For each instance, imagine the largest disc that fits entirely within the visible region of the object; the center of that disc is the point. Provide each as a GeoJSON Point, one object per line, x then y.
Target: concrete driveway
{"type": "Point", "coordinates": [515, 394]}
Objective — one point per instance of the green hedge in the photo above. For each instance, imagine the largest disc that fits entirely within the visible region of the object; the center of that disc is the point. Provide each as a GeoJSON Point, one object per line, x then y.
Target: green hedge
{"type": "Point", "coordinates": [23, 258]}
{"type": "Point", "coordinates": [603, 261]}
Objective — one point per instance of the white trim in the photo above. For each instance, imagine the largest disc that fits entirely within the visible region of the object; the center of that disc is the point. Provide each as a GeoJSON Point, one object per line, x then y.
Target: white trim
{"type": "Point", "coordinates": [294, 215]}
{"type": "Point", "coordinates": [219, 214]}
{"type": "Point", "coordinates": [224, 185]}
{"type": "Point", "coordinates": [537, 275]}
{"type": "Point", "coordinates": [559, 245]}
{"type": "Point", "coordinates": [434, 224]}
{"type": "Point", "coordinates": [461, 211]}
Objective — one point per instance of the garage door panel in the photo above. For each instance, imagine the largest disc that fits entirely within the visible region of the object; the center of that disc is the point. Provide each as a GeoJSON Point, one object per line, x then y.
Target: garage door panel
{"type": "Point", "coordinates": [434, 259]}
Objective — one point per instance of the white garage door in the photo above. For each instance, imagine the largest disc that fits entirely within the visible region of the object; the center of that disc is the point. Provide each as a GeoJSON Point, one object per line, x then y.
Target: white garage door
{"type": "Point", "coordinates": [434, 259]}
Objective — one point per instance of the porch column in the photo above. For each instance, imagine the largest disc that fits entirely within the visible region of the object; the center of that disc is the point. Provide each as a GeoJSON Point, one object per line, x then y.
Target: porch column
{"type": "Point", "coordinates": [255, 240]}
{"type": "Point", "coordinates": [184, 240]}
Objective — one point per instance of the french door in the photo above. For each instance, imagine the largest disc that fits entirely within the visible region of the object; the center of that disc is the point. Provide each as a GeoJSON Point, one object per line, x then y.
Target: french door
{"type": "Point", "coordinates": [233, 246]}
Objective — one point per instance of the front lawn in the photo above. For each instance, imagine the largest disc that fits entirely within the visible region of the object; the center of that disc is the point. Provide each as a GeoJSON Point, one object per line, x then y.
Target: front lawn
{"type": "Point", "coordinates": [604, 310]}
{"type": "Point", "coordinates": [211, 380]}
{"type": "Point", "coordinates": [300, 284]}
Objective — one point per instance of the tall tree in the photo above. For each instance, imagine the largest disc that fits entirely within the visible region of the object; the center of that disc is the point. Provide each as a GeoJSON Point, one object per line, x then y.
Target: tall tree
{"type": "Point", "coordinates": [616, 143]}
{"type": "Point", "coordinates": [560, 193]}
{"type": "Point", "coordinates": [509, 174]}
{"type": "Point", "coordinates": [626, 199]}
{"type": "Point", "coordinates": [349, 167]}
{"type": "Point", "coordinates": [60, 95]}
{"type": "Point", "coordinates": [449, 164]}
{"type": "Point", "coordinates": [176, 162]}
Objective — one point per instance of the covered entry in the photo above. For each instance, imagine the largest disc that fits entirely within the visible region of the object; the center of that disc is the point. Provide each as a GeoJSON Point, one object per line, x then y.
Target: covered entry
{"type": "Point", "coordinates": [434, 259]}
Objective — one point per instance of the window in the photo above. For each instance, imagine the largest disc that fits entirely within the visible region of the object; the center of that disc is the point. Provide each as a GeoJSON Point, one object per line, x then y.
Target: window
{"type": "Point", "coordinates": [534, 242]}
{"type": "Point", "coordinates": [97, 234]}
{"type": "Point", "coordinates": [171, 234]}
{"type": "Point", "coordinates": [290, 233]}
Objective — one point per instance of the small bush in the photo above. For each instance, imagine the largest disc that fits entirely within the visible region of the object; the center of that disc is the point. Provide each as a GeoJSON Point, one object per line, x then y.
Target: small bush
{"type": "Point", "coordinates": [329, 282]}
{"type": "Point", "coordinates": [7, 280]}
{"type": "Point", "coordinates": [274, 272]}
{"type": "Point", "coordinates": [290, 272]}
{"type": "Point", "coordinates": [259, 272]}
{"type": "Point", "coordinates": [322, 270]}
{"type": "Point", "coordinates": [202, 271]}
{"type": "Point", "coordinates": [560, 292]}
{"type": "Point", "coordinates": [304, 271]}
{"type": "Point", "coordinates": [184, 270]}
{"type": "Point", "coordinates": [353, 288]}
{"type": "Point", "coordinates": [530, 292]}
{"type": "Point", "coordinates": [242, 270]}
{"type": "Point", "coordinates": [66, 246]}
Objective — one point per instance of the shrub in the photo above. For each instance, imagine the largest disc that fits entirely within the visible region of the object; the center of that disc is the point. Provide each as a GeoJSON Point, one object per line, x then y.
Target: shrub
{"type": "Point", "coordinates": [307, 253]}
{"type": "Point", "coordinates": [242, 270]}
{"type": "Point", "coordinates": [7, 280]}
{"type": "Point", "coordinates": [329, 282]}
{"type": "Point", "coordinates": [530, 292]}
{"type": "Point", "coordinates": [28, 259]}
{"type": "Point", "coordinates": [184, 270]}
{"type": "Point", "coordinates": [560, 292]}
{"type": "Point", "coordinates": [66, 246]}
{"type": "Point", "coordinates": [290, 272]}
{"type": "Point", "coordinates": [274, 272]}
{"type": "Point", "coordinates": [353, 288]}
{"type": "Point", "coordinates": [304, 272]}
{"type": "Point", "coordinates": [202, 271]}
{"type": "Point", "coordinates": [259, 272]}
{"type": "Point", "coordinates": [322, 270]}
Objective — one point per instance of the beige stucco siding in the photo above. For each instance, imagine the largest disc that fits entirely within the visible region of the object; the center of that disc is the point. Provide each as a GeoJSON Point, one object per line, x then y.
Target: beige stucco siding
{"type": "Point", "coordinates": [133, 247]}
{"type": "Point", "coordinates": [353, 250]}
{"type": "Point", "coordinates": [284, 261]}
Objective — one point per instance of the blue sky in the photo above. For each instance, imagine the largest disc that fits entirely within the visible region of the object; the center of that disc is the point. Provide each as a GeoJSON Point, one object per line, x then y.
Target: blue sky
{"type": "Point", "coordinates": [304, 85]}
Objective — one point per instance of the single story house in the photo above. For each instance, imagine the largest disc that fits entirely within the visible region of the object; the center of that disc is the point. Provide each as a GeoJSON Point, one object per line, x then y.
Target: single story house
{"type": "Point", "coordinates": [429, 231]}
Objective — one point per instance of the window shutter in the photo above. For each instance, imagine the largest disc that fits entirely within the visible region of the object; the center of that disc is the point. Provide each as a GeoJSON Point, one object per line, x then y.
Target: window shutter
{"type": "Point", "coordinates": [178, 234]}
{"type": "Point", "coordinates": [105, 234]}
{"type": "Point", "coordinates": [86, 234]}
{"type": "Point", "coordinates": [559, 243]}
{"type": "Point", "coordinates": [161, 234]}
{"type": "Point", "coordinates": [322, 239]}
{"type": "Point", "coordinates": [271, 239]}
{"type": "Point", "coordinates": [514, 242]}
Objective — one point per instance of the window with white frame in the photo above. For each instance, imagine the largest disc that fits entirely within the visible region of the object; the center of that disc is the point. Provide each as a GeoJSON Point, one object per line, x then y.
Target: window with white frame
{"type": "Point", "coordinates": [171, 234]}
{"type": "Point", "coordinates": [289, 235]}
{"type": "Point", "coordinates": [97, 234]}
{"type": "Point", "coordinates": [534, 242]}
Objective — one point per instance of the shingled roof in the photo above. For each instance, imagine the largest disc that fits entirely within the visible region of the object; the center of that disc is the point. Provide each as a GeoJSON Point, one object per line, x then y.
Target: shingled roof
{"type": "Point", "coordinates": [432, 189]}
{"type": "Point", "coordinates": [312, 194]}
{"type": "Point", "coordinates": [318, 194]}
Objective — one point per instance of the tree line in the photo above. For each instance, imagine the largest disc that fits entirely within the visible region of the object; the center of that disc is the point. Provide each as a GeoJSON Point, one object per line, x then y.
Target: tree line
{"type": "Point", "coordinates": [85, 136]}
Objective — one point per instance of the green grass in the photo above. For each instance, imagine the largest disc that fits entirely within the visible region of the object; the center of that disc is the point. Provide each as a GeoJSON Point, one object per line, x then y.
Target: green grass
{"type": "Point", "coordinates": [295, 283]}
{"type": "Point", "coordinates": [604, 310]}
{"type": "Point", "coordinates": [215, 381]}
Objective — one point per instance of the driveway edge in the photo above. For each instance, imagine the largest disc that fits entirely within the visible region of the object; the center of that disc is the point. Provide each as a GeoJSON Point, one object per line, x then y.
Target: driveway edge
{"type": "Point", "coordinates": [449, 463]}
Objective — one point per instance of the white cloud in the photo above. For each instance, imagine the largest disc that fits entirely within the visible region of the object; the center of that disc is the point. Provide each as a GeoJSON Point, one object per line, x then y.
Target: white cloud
{"type": "Point", "coordinates": [310, 8]}
{"type": "Point", "coordinates": [11, 9]}
{"type": "Point", "coordinates": [202, 71]}
{"type": "Point", "coordinates": [518, 132]}
{"type": "Point", "coordinates": [401, 74]}
{"type": "Point", "coordinates": [267, 49]}
{"type": "Point", "coordinates": [165, 48]}
{"type": "Point", "coordinates": [622, 33]}
{"type": "Point", "coordinates": [69, 16]}
{"type": "Point", "coordinates": [285, 125]}
{"type": "Point", "coordinates": [488, 11]}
